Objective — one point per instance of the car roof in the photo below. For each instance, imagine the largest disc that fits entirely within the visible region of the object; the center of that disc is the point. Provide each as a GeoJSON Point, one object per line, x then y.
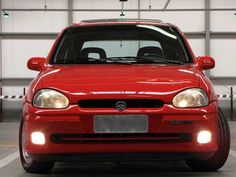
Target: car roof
{"type": "Point", "coordinates": [120, 21]}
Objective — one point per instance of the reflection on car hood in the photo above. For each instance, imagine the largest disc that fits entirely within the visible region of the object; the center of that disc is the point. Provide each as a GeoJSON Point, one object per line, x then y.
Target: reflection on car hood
{"type": "Point", "coordinates": [120, 81]}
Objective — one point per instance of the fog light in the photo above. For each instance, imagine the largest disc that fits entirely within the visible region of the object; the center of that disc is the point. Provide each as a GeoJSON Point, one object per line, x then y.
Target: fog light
{"type": "Point", "coordinates": [38, 138]}
{"type": "Point", "coordinates": [204, 137]}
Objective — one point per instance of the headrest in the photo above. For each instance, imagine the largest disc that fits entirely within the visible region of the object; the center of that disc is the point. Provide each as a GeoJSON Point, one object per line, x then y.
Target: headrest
{"type": "Point", "coordinates": [86, 51]}
{"type": "Point", "coordinates": [145, 51]}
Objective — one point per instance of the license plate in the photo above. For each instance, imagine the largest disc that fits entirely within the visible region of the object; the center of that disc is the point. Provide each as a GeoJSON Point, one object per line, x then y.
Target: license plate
{"type": "Point", "coordinates": [120, 123]}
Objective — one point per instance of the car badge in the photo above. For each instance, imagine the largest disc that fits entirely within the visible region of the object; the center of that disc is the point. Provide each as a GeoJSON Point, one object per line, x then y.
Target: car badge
{"type": "Point", "coordinates": [121, 105]}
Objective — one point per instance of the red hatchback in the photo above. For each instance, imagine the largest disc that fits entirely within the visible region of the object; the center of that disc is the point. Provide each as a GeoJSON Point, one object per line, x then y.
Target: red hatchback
{"type": "Point", "coordinates": [122, 90]}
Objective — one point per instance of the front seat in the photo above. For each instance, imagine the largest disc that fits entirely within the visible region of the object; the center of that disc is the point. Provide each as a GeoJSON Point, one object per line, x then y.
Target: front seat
{"type": "Point", "coordinates": [93, 50]}
{"type": "Point", "coordinates": [150, 51]}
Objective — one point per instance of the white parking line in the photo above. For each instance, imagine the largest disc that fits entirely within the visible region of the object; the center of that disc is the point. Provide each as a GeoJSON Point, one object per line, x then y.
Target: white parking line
{"type": "Point", "coordinates": [233, 153]}
{"type": "Point", "coordinates": [5, 161]}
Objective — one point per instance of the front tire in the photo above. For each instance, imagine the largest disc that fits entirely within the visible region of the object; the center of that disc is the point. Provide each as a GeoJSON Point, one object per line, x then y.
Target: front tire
{"type": "Point", "coordinates": [30, 165]}
{"type": "Point", "coordinates": [221, 155]}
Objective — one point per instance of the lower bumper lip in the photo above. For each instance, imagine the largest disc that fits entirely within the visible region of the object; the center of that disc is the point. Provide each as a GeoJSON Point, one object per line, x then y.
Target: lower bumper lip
{"type": "Point", "coordinates": [106, 157]}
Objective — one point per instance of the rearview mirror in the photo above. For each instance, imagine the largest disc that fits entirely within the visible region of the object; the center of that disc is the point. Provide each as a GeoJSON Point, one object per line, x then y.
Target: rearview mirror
{"type": "Point", "coordinates": [36, 63]}
{"type": "Point", "coordinates": [206, 62]}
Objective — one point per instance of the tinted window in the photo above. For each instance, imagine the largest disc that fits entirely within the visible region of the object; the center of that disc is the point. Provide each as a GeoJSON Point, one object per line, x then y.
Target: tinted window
{"type": "Point", "coordinates": [134, 44]}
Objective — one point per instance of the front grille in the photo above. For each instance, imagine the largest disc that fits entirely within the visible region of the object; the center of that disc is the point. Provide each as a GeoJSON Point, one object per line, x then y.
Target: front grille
{"type": "Point", "coordinates": [105, 138]}
{"type": "Point", "coordinates": [136, 103]}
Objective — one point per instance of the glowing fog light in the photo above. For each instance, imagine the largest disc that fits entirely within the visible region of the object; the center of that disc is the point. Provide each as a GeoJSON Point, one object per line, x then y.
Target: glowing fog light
{"type": "Point", "coordinates": [204, 137]}
{"type": "Point", "coordinates": [38, 138]}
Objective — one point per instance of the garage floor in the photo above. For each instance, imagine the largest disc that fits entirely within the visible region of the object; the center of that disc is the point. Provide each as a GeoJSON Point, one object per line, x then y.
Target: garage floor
{"type": "Point", "coordinates": [10, 164]}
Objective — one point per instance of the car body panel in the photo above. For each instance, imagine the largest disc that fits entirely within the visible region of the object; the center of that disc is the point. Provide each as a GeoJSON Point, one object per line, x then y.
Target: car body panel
{"type": "Point", "coordinates": [80, 121]}
{"type": "Point", "coordinates": [133, 82]}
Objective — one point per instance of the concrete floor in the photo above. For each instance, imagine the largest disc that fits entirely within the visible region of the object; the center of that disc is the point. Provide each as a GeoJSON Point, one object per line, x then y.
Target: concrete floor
{"type": "Point", "coordinates": [10, 164]}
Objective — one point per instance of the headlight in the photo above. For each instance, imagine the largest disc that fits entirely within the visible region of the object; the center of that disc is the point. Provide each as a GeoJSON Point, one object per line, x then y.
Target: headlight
{"type": "Point", "coordinates": [47, 98]}
{"type": "Point", "coordinates": [191, 98]}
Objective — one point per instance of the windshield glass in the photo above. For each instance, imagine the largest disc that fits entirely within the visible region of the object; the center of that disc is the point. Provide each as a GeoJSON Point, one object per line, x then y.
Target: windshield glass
{"type": "Point", "coordinates": [122, 44]}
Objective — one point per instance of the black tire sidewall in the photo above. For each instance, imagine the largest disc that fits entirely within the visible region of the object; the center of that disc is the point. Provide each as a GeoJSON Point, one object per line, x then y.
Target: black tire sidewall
{"type": "Point", "coordinates": [24, 163]}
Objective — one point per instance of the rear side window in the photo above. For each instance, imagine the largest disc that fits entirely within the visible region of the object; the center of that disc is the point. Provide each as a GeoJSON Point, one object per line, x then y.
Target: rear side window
{"type": "Point", "coordinates": [119, 48]}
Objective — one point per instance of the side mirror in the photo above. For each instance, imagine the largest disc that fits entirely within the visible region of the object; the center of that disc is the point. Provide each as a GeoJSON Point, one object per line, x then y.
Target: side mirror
{"type": "Point", "coordinates": [36, 63]}
{"type": "Point", "coordinates": [206, 62]}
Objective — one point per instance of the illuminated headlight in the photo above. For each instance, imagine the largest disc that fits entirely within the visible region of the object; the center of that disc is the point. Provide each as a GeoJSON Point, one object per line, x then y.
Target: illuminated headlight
{"type": "Point", "coordinates": [204, 137]}
{"type": "Point", "coordinates": [47, 98]}
{"type": "Point", "coordinates": [38, 138]}
{"type": "Point", "coordinates": [191, 98]}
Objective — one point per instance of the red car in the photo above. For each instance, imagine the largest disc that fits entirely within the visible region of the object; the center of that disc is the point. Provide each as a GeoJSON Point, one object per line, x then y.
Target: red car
{"type": "Point", "coordinates": [122, 90]}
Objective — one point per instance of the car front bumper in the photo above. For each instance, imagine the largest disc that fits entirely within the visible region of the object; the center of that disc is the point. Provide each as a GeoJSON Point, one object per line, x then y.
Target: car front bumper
{"type": "Point", "coordinates": [76, 121]}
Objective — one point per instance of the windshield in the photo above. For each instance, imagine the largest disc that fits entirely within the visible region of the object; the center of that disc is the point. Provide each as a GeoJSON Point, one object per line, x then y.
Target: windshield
{"type": "Point", "coordinates": [122, 44]}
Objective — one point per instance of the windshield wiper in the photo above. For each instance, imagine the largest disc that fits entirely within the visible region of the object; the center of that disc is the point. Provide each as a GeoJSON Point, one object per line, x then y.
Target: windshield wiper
{"type": "Point", "coordinates": [119, 60]}
{"type": "Point", "coordinates": [80, 61]}
{"type": "Point", "coordinates": [143, 60]}
{"type": "Point", "coordinates": [128, 60]}
{"type": "Point", "coordinates": [158, 60]}
{"type": "Point", "coordinates": [89, 61]}
{"type": "Point", "coordinates": [108, 60]}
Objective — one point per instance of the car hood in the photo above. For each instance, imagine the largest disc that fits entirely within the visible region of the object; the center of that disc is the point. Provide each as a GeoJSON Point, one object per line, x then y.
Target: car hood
{"type": "Point", "coordinates": [120, 81]}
